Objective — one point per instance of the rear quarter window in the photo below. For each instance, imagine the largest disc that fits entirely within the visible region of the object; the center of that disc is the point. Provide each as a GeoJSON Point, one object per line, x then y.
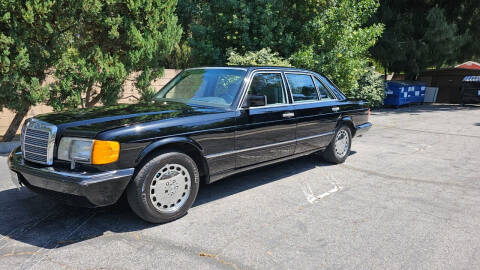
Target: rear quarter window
{"type": "Point", "coordinates": [302, 87]}
{"type": "Point", "coordinates": [332, 87]}
{"type": "Point", "coordinates": [324, 92]}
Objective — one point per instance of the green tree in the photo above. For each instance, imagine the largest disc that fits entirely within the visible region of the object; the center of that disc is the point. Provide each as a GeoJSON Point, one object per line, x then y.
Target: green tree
{"type": "Point", "coordinates": [213, 28]}
{"type": "Point", "coordinates": [425, 34]}
{"type": "Point", "coordinates": [465, 14]}
{"type": "Point", "coordinates": [329, 36]}
{"type": "Point", "coordinates": [31, 42]}
{"type": "Point", "coordinates": [263, 57]}
{"type": "Point", "coordinates": [112, 39]}
{"type": "Point", "coordinates": [337, 42]}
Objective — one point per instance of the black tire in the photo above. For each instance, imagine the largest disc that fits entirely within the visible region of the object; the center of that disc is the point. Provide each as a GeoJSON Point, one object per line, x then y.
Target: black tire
{"type": "Point", "coordinates": [330, 154]}
{"type": "Point", "coordinates": [139, 190]}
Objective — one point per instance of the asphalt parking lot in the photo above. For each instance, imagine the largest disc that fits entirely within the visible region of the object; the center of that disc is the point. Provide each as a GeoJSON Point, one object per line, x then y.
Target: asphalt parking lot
{"type": "Point", "coordinates": [408, 197]}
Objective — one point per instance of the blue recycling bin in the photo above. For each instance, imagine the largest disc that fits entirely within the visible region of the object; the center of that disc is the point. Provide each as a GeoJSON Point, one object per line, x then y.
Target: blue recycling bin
{"type": "Point", "coordinates": [416, 93]}
{"type": "Point", "coordinates": [396, 93]}
{"type": "Point", "coordinates": [399, 93]}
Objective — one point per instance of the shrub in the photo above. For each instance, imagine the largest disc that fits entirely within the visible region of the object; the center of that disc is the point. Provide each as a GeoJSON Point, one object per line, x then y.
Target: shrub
{"type": "Point", "coordinates": [263, 57]}
{"type": "Point", "coordinates": [371, 87]}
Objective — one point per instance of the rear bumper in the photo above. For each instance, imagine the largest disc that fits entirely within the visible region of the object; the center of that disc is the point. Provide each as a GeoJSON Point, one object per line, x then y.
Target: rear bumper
{"type": "Point", "coordinates": [99, 189]}
{"type": "Point", "coordinates": [362, 129]}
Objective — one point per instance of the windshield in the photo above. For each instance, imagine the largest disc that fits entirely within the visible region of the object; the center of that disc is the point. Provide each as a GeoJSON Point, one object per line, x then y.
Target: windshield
{"type": "Point", "coordinates": [211, 87]}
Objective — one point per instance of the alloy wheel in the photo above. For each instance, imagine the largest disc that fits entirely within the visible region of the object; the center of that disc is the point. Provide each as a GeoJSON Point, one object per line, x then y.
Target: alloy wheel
{"type": "Point", "coordinates": [342, 143]}
{"type": "Point", "coordinates": [170, 188]}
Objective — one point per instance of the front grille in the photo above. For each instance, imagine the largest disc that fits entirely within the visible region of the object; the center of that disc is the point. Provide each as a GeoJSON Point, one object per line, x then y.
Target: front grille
{"type": "Point", "coordinates": [38, 141]}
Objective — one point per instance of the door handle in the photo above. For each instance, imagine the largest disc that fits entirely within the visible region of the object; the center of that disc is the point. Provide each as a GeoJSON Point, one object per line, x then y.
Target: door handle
{"type": "Point", "coordinates": [288, 115]}
{"type": "Point", "coordinates": [335, 109]}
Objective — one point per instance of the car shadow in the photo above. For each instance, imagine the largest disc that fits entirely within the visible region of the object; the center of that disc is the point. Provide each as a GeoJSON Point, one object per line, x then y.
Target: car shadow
{"type": "Point", "coordinates": [40, 221]}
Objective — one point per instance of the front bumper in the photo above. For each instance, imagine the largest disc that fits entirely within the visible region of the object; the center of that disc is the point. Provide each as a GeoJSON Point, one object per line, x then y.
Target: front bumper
{"type": "Point", "coordinates": [362, 129]}
{"type": "Point", "coordinates": [99, 189]}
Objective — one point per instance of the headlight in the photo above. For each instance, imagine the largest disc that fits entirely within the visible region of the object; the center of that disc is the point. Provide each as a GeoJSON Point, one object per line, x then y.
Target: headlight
{"type": "Point", "coordinates": [88, 150]}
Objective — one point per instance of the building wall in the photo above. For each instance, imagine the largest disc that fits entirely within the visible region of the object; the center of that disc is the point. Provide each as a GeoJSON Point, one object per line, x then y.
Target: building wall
{"type": "Point", "coordinates": [130, 92]}
{"type": "Point", "coordinates": [448, 81]}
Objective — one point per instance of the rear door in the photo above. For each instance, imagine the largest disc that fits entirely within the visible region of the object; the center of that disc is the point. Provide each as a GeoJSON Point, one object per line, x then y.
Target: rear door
{"type": "Point", "coordinates": [268, 132]}
{"type": "Point", "coordinates": [315, 111]}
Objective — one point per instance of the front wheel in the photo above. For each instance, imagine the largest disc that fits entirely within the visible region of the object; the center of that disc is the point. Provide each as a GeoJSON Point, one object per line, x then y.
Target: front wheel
{"type": "Point", "coordinates": [339, 149]}
{"type": "Point", "coordinates": [164, 188]}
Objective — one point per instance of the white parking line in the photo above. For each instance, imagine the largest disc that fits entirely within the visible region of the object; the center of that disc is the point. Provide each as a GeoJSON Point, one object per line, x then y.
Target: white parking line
{"type": "Point", "coordinates": [312, 198]}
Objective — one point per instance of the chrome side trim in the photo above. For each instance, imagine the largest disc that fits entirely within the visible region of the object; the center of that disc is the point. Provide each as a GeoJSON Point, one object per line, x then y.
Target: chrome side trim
{"type": "Point", "coordinates": [267, 145]}
{"type": "Point", "coordinates": [316, 136]}
{"type": "Point", "coordinates": [268, 106]}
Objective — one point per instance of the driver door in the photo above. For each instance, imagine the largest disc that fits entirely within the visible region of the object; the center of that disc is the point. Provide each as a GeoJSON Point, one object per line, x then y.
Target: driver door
{"type": "Point", "coordinates": [266, 132]}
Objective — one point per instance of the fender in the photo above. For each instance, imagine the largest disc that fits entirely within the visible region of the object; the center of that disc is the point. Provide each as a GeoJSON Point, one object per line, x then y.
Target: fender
{"type": "Point", "coordinates": [171, 140]}
{"type": "Point", "coordinates": [347, 120]}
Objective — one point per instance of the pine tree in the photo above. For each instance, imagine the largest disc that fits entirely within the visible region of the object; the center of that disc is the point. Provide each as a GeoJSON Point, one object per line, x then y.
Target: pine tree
{"type": "Point", "coordinates": [423, 34]}
{"type": "Point", "coordinates": [31, 41]}
{"type": "Point", "coordinates": [111, 40]}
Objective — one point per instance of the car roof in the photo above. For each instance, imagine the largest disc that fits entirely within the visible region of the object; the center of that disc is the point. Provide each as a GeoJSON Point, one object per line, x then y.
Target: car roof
{"type": "Point", "coordinates": [252, 68]}
{"type": "Point", "coordinates": [280, 68]}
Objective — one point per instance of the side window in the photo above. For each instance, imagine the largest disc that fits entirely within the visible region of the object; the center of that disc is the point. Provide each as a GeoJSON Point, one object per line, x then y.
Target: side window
{"type": "Point", "coordinates": [324, 93]}
{"type": "Point", "coordinates": [270, 86]}
{"type": "Point", "coordinates": [336, 92]}
{"type": "Point", "coordinates": [302, 87]}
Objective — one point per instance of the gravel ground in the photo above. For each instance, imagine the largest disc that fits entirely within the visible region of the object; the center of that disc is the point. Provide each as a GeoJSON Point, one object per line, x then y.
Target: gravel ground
{"type": "Point", "coordinates": [407, 198]}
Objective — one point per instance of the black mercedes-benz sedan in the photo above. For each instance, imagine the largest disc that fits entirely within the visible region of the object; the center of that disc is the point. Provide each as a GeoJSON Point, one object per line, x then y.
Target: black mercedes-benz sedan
{"type": "Point", "coordinates": [204, 125]}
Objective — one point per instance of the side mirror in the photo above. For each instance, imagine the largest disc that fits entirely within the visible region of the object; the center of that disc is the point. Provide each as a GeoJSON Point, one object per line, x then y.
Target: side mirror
{"type": "Point", "coordinates": [255, 101]}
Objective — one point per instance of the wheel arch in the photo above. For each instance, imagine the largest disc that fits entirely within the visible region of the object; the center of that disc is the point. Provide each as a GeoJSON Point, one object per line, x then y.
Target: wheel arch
{"type": "Point", "coordinates": [181, 144]}
{"type": "Point", "coordinates": [347, 121]}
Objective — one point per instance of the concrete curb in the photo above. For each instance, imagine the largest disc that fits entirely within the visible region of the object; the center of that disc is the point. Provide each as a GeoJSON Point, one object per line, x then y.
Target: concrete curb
{"type": "Point", "coordinates": [7, 147]}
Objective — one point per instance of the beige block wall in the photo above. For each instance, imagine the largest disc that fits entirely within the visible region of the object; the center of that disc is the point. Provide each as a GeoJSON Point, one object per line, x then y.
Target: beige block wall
{"type": "Point", "coordinates": [129, 93]}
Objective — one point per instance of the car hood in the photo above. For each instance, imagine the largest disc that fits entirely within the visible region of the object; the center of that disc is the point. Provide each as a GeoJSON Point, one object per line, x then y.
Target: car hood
{"type": "Point", "coordinates": [89, 122]}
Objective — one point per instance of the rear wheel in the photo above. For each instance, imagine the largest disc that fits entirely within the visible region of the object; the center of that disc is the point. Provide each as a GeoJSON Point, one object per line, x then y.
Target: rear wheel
{"type": "Point", "coordinates": [339, 149]}
{"type": "Point", "coordinates": [164, 188]}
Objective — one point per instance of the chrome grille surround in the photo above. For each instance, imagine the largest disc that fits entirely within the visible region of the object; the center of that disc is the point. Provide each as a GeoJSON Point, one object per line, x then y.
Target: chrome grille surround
{"type": "Point", "coordinates": [38, 141]}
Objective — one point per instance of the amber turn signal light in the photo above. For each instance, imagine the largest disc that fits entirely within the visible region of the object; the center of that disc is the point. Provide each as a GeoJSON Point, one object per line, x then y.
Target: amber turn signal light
{"type": "Point", "coordinates": [104, 152]}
